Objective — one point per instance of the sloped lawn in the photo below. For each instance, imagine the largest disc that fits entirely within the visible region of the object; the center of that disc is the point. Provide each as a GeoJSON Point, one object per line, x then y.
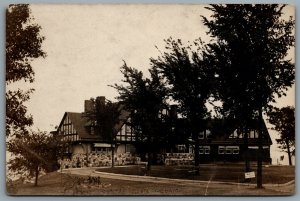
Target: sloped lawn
{"type": "Point", "coordinates": [220, 172]}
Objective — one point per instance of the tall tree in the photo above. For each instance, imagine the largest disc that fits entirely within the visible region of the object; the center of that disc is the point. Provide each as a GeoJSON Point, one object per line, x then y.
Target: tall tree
{"type": "Point", "coordinates": [104, 117]}
{"type": "Point", "coordinates": [144, 98]}
{"type": "Point", "coordinates": [33, 153]}
{"type": "Point", "coordinates": [250, 52]}
{"type": "Point", "coordinates": [23, 44]}
{"type": "Point", "coordinates": [283, 120]}
{"type": "Point", "coordinates": [190, 79]}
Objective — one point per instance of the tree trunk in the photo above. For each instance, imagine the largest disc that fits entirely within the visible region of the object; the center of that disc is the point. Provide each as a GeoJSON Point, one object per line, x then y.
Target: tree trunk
{"type": "Point", "coordinates": [196, 152]}
{"type": "Point", "coordinates": [289, 152]}
{"type": "Point", "coordinates": [112, 155]}
{"type": "Point", "coordinates": [149, 162]}
{"type": "Point", "coordinates": [247, 162]}
{"type": "Point", "coordinates": [36, 176]}
{"type": "Point", "coordinates": [260, 151]}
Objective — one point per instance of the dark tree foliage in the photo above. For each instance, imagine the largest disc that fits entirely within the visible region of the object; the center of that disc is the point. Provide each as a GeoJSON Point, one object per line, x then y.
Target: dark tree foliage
{"type": "Point", "coordinates": [23, 44]}
{"type": "Point", "coordinates": [251, 46]}
{"type": "Point", "coordinates": [283, 120]}
{"type": "Point", "coordinates": [104, 117]}
{"type": "Point", "coordinates": [190, 79]}
{"type": "Point", "coordinates": [250, 55]}
{"type": "Point", "coordinates": [33, 153]}
{"type": "Point", "coordinates": [144, 98]}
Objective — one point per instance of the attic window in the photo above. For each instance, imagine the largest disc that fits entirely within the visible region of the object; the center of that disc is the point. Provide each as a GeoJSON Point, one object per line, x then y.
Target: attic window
{"type": "Point", "coordinates": [128, 129]}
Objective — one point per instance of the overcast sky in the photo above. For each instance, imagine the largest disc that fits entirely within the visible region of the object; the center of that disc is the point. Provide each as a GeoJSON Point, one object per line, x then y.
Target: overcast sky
{"type": "Point", "coordinates": [86, 46]}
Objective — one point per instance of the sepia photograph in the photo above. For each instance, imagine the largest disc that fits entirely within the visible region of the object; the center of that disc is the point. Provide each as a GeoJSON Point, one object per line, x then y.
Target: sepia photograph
{"type": "Point", "coordinates": [150, 100]}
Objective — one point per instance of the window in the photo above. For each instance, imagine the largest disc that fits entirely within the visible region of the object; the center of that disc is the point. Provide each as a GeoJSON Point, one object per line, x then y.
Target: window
{"type": "Point", "coordinates": [207, 150]}
{"type": "Point", "coordinates": [221, 149]}
{"type": "Point", "coordinates": [236, 151]}
{"type": "Point", "coordinates": [181, 148]}
{"type": "Point", "coordinates": [253, 134]}
{"type": "Point", "coordinates": [126, 133]}
{"type": "Point", "coordinates": [191, 149]}
{"type": "Point", "coordinates": [228, 150]}
{"type": "Point", "coordinates": [232, 149]}
{"type": "Point", "coordinates": [128, 129]}
{"type": "Point", "coordinates": [204, 150]}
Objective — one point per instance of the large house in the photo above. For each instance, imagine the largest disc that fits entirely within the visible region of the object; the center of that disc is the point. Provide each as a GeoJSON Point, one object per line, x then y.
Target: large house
{"type": "Point", "coordinates": [80, 134]}
{"type": "Point", "coordinates": [215, 144]}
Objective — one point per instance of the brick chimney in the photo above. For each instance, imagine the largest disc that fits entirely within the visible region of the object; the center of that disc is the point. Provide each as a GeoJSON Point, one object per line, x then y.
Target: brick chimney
{"type": "Point", "coordinates": [88, 106]}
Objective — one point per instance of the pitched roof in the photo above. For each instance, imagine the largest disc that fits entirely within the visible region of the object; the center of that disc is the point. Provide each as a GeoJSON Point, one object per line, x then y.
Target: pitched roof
{"type": "Point", "coordinates": [222, 128]}
{"type": "Point", "coordinates": [79, 123]}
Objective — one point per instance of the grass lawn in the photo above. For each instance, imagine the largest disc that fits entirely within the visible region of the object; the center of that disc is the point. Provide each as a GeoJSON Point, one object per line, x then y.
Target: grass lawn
{"type": "Point", "coordinates": [220, 172]}
{"type": "Point", "coordinates": [66, 183]}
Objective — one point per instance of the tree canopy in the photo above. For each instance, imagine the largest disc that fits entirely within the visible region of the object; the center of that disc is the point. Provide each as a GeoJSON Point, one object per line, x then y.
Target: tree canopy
{"type": "Point", "coordinates": [190, 80]}
{"type": "Point", "coordinates": [33, 153]}
{"type": "Point", "coordinates": [103, 117]}
{"type": "Point", "coordinates": [23, 44]}
{"type": "Point", "coordinates": [250, 48]}
{"type": "Point", "coordinates": [144, 98]}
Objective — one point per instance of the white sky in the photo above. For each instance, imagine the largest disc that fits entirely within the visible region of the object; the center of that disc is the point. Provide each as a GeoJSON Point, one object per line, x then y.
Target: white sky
{"type": "Point", "coordinates": [86, 46]}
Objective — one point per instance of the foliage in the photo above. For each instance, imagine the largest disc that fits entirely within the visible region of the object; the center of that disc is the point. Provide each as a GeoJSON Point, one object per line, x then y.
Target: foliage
{"type": "Point", "coordinates": [145, 99]}
{"type": "Point", "coordinates": [249, 53]}
{"type": "Point", "coordinates": [23, 44]}
{"type": "Point", "coordinates": [104, 116]}
{"type": "Point", "coordinates": [16, 117]}
{"type": "Point", "coordinates": [190, 79]}
{"type": "Point", "coordinates": [283, 120]}
{"type": "Point", "coordinates": [34, 152]}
